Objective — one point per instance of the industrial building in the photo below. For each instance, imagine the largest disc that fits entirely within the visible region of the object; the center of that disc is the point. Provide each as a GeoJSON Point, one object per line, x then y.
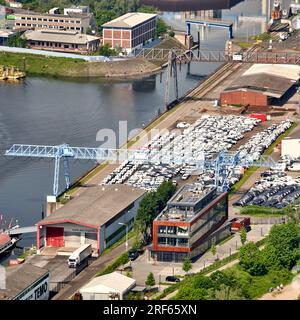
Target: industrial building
{"type": "Point", "coordinates": [26, 282]}
{"type": "Point", "coordinates": [5, 34]}
{"type": "Point", "coordinates": [99, 217]}
{"type": "Point", "coordinates": [130, 31]}
{"type": "Point", "coordinates": [261, 85]}
{"type": "Point", "coordinates": [290, 148]}
{"type": "Point", "coordinates": [73, 21]}
{"type": "Point", "coordinates": [191, 222]}
{"type": "Point", "coordinates": [112, 286]}
{"type": "Point", "coordinates": [61, 41]}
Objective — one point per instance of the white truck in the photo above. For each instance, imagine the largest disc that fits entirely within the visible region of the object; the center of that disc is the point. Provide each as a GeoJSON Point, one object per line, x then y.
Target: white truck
{"type": "Point", "coordinates": [80, 255]}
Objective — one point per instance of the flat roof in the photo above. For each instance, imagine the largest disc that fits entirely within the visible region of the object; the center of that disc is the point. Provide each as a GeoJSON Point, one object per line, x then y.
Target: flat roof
{"type": "Point", "coordinates": [273, 80]}
{"type": "Point", "coordinates": [20, 277]}
{"type": "Point", "coordinates": [187, 202]}
{"type": "Point", "coordinates": [130, 20]}
{"type": "Point", "coordinates": [59, 36]}
{"type": "Point", "coordinates": [6, 33]}
{"type": "Point", "coordinates": [111, 282]}
{"type": "Point", "coordinates": [190, 194]}
{"type": "Point", "coordinates": [96, 205]}
{"type": "Point", "coordinates": [69, 15]}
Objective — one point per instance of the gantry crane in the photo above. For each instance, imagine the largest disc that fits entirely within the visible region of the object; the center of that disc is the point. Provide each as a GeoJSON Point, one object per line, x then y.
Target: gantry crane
{"type": "Point", "coordinates": [221, 162]}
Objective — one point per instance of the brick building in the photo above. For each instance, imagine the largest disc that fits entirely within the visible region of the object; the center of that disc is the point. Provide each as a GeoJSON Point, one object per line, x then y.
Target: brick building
{"type": "Point", "coordinates": [192, 221]}
{"type": "Point", "coordinates": [130, 31]}
{"type": "Point", "coordinates": [261, 85]}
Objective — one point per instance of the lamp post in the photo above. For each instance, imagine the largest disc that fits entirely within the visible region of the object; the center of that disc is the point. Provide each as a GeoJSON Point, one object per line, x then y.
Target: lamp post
{"type": "Point", "coordinates": [126, 225]}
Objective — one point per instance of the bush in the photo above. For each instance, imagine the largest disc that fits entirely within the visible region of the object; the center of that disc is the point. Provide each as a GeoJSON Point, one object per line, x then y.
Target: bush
{"type": "Point", "coordinates": [121, 260]}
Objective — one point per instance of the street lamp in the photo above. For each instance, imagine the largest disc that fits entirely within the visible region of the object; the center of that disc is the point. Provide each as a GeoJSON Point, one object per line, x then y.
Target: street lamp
{"type": "Point", "coordinates": [126, 225]}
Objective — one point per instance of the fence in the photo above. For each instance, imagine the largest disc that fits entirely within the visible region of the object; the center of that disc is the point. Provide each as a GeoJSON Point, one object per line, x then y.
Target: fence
{"type": "Point", "coordinates": [55, 287]}
{"type": "Point", "coordinates": [54, 54]}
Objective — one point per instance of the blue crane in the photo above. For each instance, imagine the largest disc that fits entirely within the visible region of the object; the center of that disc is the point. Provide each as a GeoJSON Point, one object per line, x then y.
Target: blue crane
{"type": "Point", "coordinates": [220, 163]}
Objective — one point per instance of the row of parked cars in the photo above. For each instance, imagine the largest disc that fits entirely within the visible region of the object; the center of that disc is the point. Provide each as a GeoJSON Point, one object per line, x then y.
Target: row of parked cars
{"type": "Point", "coordinates": [174, 154]}
{"type": "Point", "coordinates": [254, 148]}
{"type": "Point", "coordinates": [275, 189]}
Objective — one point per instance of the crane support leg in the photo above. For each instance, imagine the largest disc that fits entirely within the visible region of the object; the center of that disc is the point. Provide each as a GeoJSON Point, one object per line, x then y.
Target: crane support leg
{"type": "Point", "coordinates": [56, 176]}
{"type": "Point", "coordinates": [67, 172]}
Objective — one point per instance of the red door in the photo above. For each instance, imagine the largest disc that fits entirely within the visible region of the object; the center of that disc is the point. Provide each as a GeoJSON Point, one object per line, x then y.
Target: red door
{"type": "Point", "coordinates": [55, 237]}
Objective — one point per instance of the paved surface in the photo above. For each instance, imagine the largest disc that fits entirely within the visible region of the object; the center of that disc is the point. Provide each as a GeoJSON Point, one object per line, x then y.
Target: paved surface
{"type": "Point", "coordinates": [87, 274]}
{"type": "Point", "coordinates": [289, 292]}
{"type": "Point", "coordinates": [142, 266]}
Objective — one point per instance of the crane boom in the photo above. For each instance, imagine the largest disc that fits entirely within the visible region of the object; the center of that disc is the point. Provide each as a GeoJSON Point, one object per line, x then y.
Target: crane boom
{"type": "Point", "coordinates": [220, 163]}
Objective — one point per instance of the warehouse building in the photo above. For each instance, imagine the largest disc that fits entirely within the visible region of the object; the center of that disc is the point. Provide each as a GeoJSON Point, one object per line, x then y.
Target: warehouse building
{"type": "Point", "coordinates": [290, 148]}
{"type": "Point", "coordinates": [112, 286]}
{"type": "Point", "coordinates": [62, 41]}
{"type": "Point", "coordinates": [192, 221]}
{"type": "Point", "coordinates": [262, 85]}
{"type": "Point", "coordinates": [73, 21]}
{"type": "Point", "coordinates": [130, 31]}
{"type": "Point", "coordinates": [26, 282]}
{"type": "Point", "coordinates": [99, 217]}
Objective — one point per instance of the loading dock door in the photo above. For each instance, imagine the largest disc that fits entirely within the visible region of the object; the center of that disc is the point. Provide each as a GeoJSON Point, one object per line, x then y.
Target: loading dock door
{"type": "Point", "coordinates": [55, 237]}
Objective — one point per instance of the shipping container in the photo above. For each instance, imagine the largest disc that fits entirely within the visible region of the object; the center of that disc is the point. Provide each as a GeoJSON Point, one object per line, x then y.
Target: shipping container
{"type": "Point", "coordinates": [261, 116]}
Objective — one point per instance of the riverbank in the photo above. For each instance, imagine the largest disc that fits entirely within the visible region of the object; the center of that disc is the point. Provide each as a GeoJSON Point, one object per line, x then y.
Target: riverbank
{"type": "Point", "coordinates": [76, 68]}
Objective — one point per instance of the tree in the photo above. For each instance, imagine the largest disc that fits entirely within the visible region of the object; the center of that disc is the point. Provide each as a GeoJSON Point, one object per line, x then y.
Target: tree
{"type": "Point", "coordinates": [251, 260]}
{"type": "Point", "coordinates": [171, 34]}
{"type": "Point", "coordinates": [187, 264]}
{"type": "Point", "coordinates": [106, 51]}
{"type": "Point", "coordinates": [150, 281]}
{"type": "Point", "coordinates": [243, 235]}
{"type": "Point", "coordinates": [17, 41]}
{"type": "Point", "coordinates": [283, 241]}
{"type": "Point", "coordinates": [213, 249]}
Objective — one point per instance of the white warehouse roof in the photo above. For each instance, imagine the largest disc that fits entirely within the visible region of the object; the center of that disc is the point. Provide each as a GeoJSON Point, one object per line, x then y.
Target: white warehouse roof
{"type": "Point", "coordinates": [287, 71]}
{"type": "Point", "coordinates": [112, 282]}
{"type": "Point", "coordinates": [130, 20]}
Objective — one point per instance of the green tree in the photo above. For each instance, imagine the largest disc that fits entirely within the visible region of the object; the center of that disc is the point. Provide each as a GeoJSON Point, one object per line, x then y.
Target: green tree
{"type": "Point", "coordinates": [251, 259]}
{"type": "Point", "coordinates": [17, 41]}
{"type": "Point", "coordinates": [283, 241]}
{"type": "Point", "coordinates": [213, 249]}
{"type": "Point", "coordinates": [106, 51]}
{"type": "Point", "coordinates": [187, 264]}
{"type": "Point", "coordinates": [150, 281]}
{"type": "Point", "coordinates": [243, 235]}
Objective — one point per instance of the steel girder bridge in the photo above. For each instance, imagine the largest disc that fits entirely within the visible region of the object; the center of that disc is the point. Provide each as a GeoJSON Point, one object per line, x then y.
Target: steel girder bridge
{"type": "Point", "coordinates": [221, 163]}
{"type": "Point", "coordinates": [219, 56]}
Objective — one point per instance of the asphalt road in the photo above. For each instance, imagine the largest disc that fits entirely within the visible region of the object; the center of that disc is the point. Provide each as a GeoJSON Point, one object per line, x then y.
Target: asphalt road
{"type": "Point", "coordinates": [88, 273]}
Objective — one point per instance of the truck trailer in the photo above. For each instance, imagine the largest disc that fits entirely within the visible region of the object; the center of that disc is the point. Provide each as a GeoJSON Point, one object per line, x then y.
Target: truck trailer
{"type": "Point", "coordinates": [79, 255]}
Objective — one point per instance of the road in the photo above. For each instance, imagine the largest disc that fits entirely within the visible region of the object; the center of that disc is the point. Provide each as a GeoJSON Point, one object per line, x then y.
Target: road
{"type": "Point", "coordinates": [88, 273]}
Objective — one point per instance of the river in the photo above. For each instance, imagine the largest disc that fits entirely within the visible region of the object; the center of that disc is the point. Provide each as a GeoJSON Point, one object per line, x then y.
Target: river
{"type": "Point", "coordinates": [49, 111]}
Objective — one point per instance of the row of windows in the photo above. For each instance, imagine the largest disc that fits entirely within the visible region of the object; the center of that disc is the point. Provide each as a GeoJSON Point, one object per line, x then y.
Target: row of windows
{"type": "Point", "coordinates": [46, 26]}
{"type": "Point", "coordinates": [144, 28]}
{"type": "Point", "coordinates": [50, 20]}
{"type": "Point", "coordinates": [54, 44]}
{"type": "Point", "coordinates": [173, 230]}
{"type": "Point", "coordinates": [173, 242]}
{"type": "Point", "coordinates": [169, 256]}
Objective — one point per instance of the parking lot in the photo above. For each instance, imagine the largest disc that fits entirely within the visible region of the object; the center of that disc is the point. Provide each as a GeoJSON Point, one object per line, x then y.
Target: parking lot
{"type": "Point", "coordinates": [274, 189]}
{"type": "Point", "coordinates": [174, 155]}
